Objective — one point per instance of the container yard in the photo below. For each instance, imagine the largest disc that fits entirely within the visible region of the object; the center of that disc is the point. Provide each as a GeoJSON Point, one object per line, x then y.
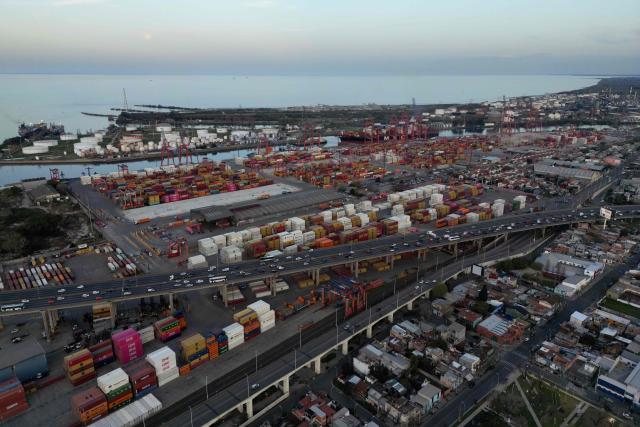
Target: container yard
{"type": "Point", "coordinates": [172, 184]}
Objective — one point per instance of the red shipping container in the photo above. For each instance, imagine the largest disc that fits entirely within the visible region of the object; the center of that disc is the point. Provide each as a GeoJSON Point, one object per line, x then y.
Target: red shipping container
{"type": "Point", "coordinates": [13, 410]}
{"type": "Point", "coordinates": [145, 384]}
{"type": "Point", "coordinates": [139, 372]}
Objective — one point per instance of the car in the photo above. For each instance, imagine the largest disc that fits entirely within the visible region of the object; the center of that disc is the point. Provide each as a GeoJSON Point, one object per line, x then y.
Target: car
{"type": "Point", "coordinates": [50, 301]}
{"type": "Point", "coordinates": [305, 263]}
{"type": "Point", "coordinates": [280, 267]}
{"type": "Point", "coordinates": [61, 290]}
{"type": "Point", "coordinates": [189, 285]}
{"type": "Point", "coordinates": [24, 301]}
{"type": "Point", "coordinates": [199, 281]}
{"type": "Point", "coordinates": [177, 285]}
{"type": "Point", "coordinates": [185, 281]}
{"type": "Point", "coordinates": [225, 269]}
{"type": "Point", "coordinates": [298, 258]}
{"type": "Point", "coordinates": [151, 290]}
{"type": "Point", "coordinates": [80, 287]}
{"type": "Point", "coordinates": [15, 331]}
{"type": "Point", "coordinates": [60, 298]}
{"type": "Point", "coordinates": [16, 340]}
{"type": "Point", "coordinates": [255, 386]}
{"type": "Point", "coordinates": [125, 293]}
{"type": "Point", "coordinates": [392, 250]}
{"type": "Point", "coordinates": [289, 257]}
{"type": "Point", "coordinates": [627, 415]}
{"type": "Point", "coordinates": [85, 295]}
{"type": "Point", "coordinates": [347, 327]}
{"type": "Point", "coordinates": [95, 292]}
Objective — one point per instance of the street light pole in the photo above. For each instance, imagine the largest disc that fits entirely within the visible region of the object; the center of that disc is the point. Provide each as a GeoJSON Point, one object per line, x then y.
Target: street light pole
{"type": "Point", "coordinates": [206, 386]}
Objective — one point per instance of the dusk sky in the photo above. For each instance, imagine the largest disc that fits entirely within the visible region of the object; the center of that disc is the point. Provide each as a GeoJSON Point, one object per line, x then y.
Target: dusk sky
{"type": "Point", "coordinates": [328, 37]}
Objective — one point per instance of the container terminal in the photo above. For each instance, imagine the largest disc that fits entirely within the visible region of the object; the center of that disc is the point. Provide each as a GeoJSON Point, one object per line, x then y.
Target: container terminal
{"type": "Point", "coordinates": [208, 283]}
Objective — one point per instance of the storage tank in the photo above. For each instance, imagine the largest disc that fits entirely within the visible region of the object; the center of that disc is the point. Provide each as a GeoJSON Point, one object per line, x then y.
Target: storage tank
{"type": "Point", "coordinates": [35, 150]}
{"type": "Point", "coordinates": [45, 143]}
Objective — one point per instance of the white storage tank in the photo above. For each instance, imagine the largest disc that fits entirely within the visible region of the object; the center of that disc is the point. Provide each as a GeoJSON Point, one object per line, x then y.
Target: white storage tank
{"type": "Point", "coordinates": [45, 143]}
{"type": "Point", "coordinates": [35, 150]}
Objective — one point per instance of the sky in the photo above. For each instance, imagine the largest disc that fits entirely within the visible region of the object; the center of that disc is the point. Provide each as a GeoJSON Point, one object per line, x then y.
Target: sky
{"type": "Point", "coordinates": [320, 37]}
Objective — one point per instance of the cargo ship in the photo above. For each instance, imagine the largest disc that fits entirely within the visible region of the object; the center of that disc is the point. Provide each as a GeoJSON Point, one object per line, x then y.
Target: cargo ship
{"type": "Point", "coordinates": [353, 136]}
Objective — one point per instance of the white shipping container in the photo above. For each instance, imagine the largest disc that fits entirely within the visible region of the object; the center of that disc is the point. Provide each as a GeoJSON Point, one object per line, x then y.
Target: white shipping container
{"type": "Point", "coordinates": [260, 308]}
{"type": "Point", "coordinates": [162, 360]}
{"type": "Point", "coordinates": [168, 376]}
{"type": "Point", "coordinates": [233, 330]}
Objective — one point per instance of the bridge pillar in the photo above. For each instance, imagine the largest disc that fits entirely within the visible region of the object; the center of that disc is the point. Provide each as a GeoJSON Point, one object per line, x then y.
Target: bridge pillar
{"type": "Point", "coordinates": [390, 317]}
{"type": "Point", "coordinates": [455, 249]}
{"type": "Point", "coordinates": [45, 324]}
{"type": "Point", "coordinates": [171, 301]}
{"type": "Point", "coordinates": [354, 269]}
{"type": "Point", "coordinates": [544, 230]}
{"type": "Point", "coordinates": [223, 293]}
{"type": "Point", "coordinates": [410, 305]}
{"type": "Point", "coordinates": [317, 365]}
{"type": "Point", "coordinates": [285, 385]}
{"type": "Point", "coordinates": [345, 347]}
{"type": "Point", "coordinates": [114, 313]}
{"type": "Point", "coordinates": [370, 331]}
{"type": "Point", "coordinates": [389, 259]}
{"type": "Point", "coordinates": [506, 236]}
{"type": "Point", "coordinates": [316, 276]}
{"type": "Point", "coordinates": [249, 407]}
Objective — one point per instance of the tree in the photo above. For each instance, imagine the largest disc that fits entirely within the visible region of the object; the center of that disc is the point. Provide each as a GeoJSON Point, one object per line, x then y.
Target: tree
{"type": "Point", "coordinates": [536, 266]}
{"type": "Point", "coordinates": [438, 291]}
{"type": "Point", "coordinates": [484, 294]}
{"type": "Point", "coordinates": [380, 372]}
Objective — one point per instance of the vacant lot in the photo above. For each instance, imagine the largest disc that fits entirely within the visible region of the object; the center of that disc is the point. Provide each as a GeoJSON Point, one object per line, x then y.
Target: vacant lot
{"type": "Point", "coordinates": [621, 307]}
{"type": "Point", "coordinates": [550, 404]}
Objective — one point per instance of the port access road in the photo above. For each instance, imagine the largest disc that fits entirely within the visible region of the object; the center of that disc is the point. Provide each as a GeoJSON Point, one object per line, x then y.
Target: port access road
{"type": "Point", "coordinates": [81, 295]}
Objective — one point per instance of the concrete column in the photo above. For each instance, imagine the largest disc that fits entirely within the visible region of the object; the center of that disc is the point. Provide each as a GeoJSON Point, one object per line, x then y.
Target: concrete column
{"type": "Point", "coordinates": [354, 269]}
{"type": "Point", "coordinates": [345, 347]}
{"type": "Point", "coordinates": [316, 278]}
{"type": "Point", "coordinates": [249, 408]}
{"type": "Point", "coordinates": [390, 317]}
{"type": "Point", "coordinates": [410, 305]}
{"type": "Point", "coordinates": [53, 320]}
{"type": "Point", "coordinates": [45, 324]}
{"type": "Point", "coordinates": [506, 236]}
{"type": "Point", "coordinates": [285, 385]}
{"type": "Point", "coordinates": [317, 365]}
{"type": "Point", "coordinates": [370, 331]}
{"type": "Point", "coordinates": [114, 313]}
{"type": "Point", "coordinates": [544, 230]}
{"type": "Point", "coordinates": [223, 292]}
{"type": "Point", "coordinates": [171, 301]}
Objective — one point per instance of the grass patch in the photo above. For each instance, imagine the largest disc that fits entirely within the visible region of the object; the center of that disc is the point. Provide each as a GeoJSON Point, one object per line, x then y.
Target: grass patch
{"type": "Point", "coordinates": [595, 418]}
{"type": "Point", "coordinates": [621, 307]}
{"type": "Point", "coordinates": [509, 405]}
{"type": "Point", "coordinates": [550, 404]}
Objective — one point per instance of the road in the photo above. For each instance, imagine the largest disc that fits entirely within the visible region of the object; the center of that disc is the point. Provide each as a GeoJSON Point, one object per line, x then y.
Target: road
{"type": "Point", "coordinates": [519, 357]}
{"type": "Point", "coordinates": [81, 295]}
{"type": "Point", "coordinates": [290, 360]}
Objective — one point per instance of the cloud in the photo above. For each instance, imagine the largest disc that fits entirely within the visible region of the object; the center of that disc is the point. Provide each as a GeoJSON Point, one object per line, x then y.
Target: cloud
{"type": "Point", "coordinates": [76, 2]}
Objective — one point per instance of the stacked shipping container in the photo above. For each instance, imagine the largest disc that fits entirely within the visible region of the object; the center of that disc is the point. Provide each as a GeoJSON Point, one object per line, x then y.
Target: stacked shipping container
{"type": "Point", "coordinates": [79, 367]}
{"type": "Point", "coordinates": [12, 399]}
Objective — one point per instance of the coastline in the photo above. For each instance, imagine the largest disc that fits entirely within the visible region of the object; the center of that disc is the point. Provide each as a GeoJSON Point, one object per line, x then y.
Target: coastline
{"type": "Point", "coordinates": [132, 158]}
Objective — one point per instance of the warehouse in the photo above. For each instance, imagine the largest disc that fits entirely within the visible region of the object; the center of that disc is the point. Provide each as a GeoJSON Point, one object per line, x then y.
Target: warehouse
{"type": "Point", "coordinates": [222, 199]}
{"type": "Point", "coordinates": [245, 211]}
{"type": "Point", "coordinates": [26, 360]}
{"type": "Point", "coordinates": [544, 169]}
